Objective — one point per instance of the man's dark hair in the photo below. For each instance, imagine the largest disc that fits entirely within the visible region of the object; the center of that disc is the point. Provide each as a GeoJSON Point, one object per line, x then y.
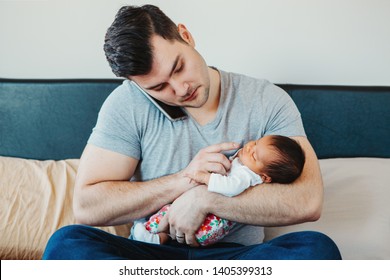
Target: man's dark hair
{"type": "Point", "coordinates": [290, 160]}
{"type": "Point", "coordinates": [127, 42]}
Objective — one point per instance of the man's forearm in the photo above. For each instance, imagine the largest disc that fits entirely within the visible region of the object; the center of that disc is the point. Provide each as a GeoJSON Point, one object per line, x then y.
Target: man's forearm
{"type": "Point", "coordinates": [264, 205]}
{"type": "Point", "coordinates": [119, 202]}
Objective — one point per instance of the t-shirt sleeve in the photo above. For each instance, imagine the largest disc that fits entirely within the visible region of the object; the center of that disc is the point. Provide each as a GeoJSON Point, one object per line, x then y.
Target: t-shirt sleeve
{"type": "Point", "coordinates": [116, 128]}
{"type": "Point", "coordinates": [284, 116]}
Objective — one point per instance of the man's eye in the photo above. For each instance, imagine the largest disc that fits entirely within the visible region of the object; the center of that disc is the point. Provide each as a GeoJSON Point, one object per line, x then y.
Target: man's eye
{"type": "Point", "coordinates": [160, 88]}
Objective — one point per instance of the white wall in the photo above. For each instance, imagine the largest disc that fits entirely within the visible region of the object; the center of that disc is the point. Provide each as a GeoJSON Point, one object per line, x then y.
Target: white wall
{"type": "Point", "coordinates": [286, 41]}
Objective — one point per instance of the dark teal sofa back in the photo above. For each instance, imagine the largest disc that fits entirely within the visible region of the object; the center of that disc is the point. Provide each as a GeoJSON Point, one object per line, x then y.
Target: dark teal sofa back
{"type": "Point", "coordinates": [49, 119]}
{"type": "Point", "coordinates": [52, 119]}
{"type": "Point", "coordinates": [345, 121]}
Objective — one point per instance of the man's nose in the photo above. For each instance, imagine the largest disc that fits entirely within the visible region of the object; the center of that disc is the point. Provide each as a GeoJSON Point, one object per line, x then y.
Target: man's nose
{"type": "Point", "coordinates": [181, 88]}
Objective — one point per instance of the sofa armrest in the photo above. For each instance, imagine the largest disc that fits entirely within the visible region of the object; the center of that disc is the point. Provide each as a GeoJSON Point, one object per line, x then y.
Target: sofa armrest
{"type": "Point", "coordinates": [36, 200]}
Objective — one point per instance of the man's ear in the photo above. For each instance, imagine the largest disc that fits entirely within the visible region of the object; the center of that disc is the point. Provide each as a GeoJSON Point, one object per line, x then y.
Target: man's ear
{"type": "Point", "coordinates": [185, 34]}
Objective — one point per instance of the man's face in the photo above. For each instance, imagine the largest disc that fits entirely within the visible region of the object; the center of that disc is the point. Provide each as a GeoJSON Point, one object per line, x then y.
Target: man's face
{"type": "Point", "coordinates": [179, 74]}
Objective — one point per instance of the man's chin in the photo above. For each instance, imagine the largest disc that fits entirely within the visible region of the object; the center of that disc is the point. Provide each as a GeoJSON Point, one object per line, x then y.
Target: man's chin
{"type": "Point", "coordinates": [199, 101]}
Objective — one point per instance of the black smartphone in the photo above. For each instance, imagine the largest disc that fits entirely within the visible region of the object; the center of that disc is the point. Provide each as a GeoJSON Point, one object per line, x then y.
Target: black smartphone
{"type": "Point", "coordinates": [173, 113]}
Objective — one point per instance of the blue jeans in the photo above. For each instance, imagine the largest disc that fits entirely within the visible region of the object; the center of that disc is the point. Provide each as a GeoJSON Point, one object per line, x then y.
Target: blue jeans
{"type": "Point", "coordinates": [78, 242]}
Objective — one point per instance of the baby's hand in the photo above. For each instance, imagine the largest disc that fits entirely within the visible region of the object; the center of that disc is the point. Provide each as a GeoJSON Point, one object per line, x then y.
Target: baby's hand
{"type": "Point", "coordinates": [200, 177]}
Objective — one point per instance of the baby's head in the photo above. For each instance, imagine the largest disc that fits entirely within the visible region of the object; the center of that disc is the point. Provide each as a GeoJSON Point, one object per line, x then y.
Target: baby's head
{"type": "Point", "coordinates": [276, 158]}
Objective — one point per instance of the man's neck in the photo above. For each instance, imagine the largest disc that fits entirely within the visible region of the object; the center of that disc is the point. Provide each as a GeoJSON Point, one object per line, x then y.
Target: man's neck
{"type": "Point", "coordinates": [208, 111]}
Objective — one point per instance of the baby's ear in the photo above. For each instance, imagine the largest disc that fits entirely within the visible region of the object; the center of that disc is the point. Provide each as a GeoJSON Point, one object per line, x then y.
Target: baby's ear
{"type": "Point", "coordinates": [266, 178]}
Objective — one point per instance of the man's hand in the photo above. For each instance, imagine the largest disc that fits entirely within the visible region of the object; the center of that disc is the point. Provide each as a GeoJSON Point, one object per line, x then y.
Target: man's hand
{"type": "Point", "coordinates": [186, 213]}
{"type": "Point", "coordinates": [185, 216]}
{"type": "Point", "coordinates": [210, 160]}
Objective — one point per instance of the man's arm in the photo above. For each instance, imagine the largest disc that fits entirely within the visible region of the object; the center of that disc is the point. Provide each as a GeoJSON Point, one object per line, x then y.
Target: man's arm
{"type": "Point", "coordinates": [103, 194]}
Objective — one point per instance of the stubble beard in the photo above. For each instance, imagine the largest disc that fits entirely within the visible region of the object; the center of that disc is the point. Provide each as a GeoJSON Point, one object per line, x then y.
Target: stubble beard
{"type": "Point", "coordinates": [201, 99]}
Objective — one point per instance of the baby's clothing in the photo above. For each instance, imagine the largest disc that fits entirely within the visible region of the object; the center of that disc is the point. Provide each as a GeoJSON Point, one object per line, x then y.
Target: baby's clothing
{"type": "Point", "coordinates": [140, 233]}
{"type": "Point", "coordinates": [213, 229]}
{"type": "Point", "coordinates": [236, 181]}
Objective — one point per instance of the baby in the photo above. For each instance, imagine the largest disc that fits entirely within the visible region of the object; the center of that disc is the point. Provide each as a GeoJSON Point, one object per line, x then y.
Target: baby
{"type": "Point", "coordinates": [272, 158]}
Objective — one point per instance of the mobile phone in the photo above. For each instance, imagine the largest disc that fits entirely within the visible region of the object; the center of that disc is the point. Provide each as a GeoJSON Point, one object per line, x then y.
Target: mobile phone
{"type": "Point", "coordinates": [173, 113]}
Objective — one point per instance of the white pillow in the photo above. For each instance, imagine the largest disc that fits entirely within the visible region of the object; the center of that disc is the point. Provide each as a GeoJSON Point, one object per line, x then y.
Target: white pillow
{"type": "Point", "coordinates": [356, 210]}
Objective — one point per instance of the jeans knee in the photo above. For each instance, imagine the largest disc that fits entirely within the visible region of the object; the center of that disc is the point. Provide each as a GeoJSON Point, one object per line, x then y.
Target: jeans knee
{"type": "Point", "coordinates": [323, 244]}
{"type": "Point", "coordinates": [307, 245]}
{"type": "Point", "coordinates": [59, 243]}
{"type": "Point", "coordinates": [68, 232]}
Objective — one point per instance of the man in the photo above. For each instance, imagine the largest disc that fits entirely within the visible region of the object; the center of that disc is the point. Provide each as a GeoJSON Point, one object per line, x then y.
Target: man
{"type": "Point", "coordinates": [136, 159]}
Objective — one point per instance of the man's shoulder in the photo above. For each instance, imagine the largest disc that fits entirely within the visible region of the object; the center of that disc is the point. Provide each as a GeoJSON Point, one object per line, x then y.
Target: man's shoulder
{"type": "Point", "coordinates": [126, 95]}
{"type": "Point", "coordinates": [248, 87]}
{"type": "Point", "coordinates": [241, 76]}
{"type": "Point", "coordinates": [125, 89]}
{"type": "Point", "coordinates": [240, 81]}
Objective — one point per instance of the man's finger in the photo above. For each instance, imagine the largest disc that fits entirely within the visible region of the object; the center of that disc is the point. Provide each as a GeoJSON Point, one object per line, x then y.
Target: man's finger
{"type": "Point", "coordinates": [225, 146]}
{"type": "Point", "coordinates": [218, 158]}
{"type": "Point", "coordinates": [216, 168]}
{"type": "Point", "coordinates": [191, 240]}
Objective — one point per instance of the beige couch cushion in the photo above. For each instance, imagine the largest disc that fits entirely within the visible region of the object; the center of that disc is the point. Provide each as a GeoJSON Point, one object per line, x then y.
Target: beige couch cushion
{"type": "Point", "coordinates": [35, 200]}
{"type": "Point", "coordinates": [356, 212]}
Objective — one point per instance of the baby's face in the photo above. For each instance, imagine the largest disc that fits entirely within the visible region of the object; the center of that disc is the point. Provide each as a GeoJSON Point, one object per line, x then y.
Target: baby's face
{"type": "Point", "coordinates": [256, 154]}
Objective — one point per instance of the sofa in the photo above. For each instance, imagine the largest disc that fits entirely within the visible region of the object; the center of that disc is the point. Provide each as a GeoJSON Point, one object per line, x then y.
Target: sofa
{"type": "Point", "coordinates": [45, 124]}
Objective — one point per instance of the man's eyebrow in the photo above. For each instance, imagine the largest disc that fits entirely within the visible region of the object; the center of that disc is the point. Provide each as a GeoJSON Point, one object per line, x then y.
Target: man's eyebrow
{"type": "Point", "coordinates": [170, 74]}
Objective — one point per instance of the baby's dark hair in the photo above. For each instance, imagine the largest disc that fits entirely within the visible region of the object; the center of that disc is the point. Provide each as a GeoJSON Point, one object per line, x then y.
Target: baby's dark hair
{"type": "Point", "coordinates": [290, 160]}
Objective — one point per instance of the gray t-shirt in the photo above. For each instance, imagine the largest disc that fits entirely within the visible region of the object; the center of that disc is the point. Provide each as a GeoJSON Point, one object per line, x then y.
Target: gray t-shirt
{"type": "Point", "coordinates": [249, 108]}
